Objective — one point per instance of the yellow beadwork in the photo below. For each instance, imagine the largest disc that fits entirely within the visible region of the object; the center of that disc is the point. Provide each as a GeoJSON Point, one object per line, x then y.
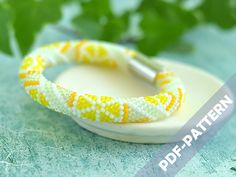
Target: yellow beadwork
{"type": "Point", "coordinates": [92, 97]}
{"type": "Point", "coordinates": [181, 98]}
{"type": "Point", "coordinates": [172, 102]}
{"type": "Point", "coordinates": [92, 107]}
{"type": "Point", "coordinates": [65, 47]}
{"type": "Point", "coordinates": [151, 100]}
{"type": "Point", "coordinates": [114, 109]}
{"type": "Point", "coordinates": [105, 118]}
{"type": "Point", "coordinates": [78, 50]}
{"type": "Point", "coordinates": [163, 75]}
{"type": "Point", "coordinates": [83, 103]}
{"type": "Point", "coordinates": [90, 115]}
{"type": "Point", "coordinates": [126, 113]}
{"type": "Point", "coordinates": [33, 93]}
{"type": "Point", "coordinates": [22, 75]}
{"type": "Point", "coordinates": [105, 99]}
{"type": "Point", "coordinates": [162, 98]}
{"type": "Point", "coordinates": [28, 61]}
{"type": "Point", "coordinates": [165, 82]}
{"type": "Point", "coordinates": [71, 99]}
{"type": "Point", "coordinates": [31, 83]}
{"type": "Point", "coordinates": [43, 100]}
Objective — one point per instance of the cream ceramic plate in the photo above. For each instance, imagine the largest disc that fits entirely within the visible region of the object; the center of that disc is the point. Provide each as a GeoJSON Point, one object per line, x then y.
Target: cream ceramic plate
{"type": "Point", "coordinates": [200, 86]}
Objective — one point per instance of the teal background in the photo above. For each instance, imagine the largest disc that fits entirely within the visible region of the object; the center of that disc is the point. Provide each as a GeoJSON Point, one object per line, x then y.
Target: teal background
{"type": "Point", "coordinates": [35, 141]}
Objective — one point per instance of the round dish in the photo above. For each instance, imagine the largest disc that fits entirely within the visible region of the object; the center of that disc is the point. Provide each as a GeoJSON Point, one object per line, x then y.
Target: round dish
{"type": "Point", "coordinates": [195, 81]}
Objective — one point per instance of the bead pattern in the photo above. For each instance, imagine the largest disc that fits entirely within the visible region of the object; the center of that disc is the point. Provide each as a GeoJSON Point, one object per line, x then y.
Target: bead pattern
{"type": "Point", "coordinates": [92, 107]}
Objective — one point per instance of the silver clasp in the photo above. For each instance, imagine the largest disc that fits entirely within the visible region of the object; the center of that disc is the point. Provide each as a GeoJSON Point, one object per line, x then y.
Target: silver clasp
{"type": "Point", "coordinates": [144, 67]}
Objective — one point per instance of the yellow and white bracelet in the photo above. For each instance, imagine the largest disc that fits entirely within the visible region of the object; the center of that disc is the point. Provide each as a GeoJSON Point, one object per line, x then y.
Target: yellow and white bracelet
{"type": "Point", "coordinates": [100, 108]}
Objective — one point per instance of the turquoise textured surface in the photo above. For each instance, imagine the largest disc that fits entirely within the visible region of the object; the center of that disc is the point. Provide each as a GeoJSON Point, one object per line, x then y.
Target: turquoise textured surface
{"type": "Point", "coordinates": [35, 141]}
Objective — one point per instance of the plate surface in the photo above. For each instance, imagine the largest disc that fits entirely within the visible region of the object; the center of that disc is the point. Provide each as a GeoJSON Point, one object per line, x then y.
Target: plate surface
{"type": "Point", "coordinates": [200, 86]}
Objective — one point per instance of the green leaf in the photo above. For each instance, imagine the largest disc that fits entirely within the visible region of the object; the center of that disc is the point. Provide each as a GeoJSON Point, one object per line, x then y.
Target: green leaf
{"type": "Point", "coordinates": [115, 27]}
{"type": "Point", "coordinates": [5, 17]}
{"type": "Point", "coordinates": [220, 12]}
{"type": "Point", "coordinates": [97, 21]}
{"type": "Point", "coordinates": [96, 8]}
{"type": "Point", "coordinates": [30, 16]}
{"type": "Point", "coordinates": [162, 24]}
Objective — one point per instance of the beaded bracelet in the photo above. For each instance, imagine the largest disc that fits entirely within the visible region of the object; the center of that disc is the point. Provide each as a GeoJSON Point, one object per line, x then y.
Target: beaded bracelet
{"type": "Point", "coordinates": [100, 108]}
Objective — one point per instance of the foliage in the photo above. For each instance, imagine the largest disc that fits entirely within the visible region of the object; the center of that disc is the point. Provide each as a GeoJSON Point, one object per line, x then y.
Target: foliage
{"type": "Point", "coordinates": [5, 17]}
{"type": "Point", "coordinates": [161, 23]}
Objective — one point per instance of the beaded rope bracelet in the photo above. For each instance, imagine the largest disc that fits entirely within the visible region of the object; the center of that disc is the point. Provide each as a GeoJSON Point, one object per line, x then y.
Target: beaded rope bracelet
{"type": "Point", "coordinates": [100, 108]}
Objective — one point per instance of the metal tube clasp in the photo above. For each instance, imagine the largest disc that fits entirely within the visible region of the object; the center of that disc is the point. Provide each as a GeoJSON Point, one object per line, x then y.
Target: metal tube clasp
{"type": "Point", "coordinates": [143, 67]}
